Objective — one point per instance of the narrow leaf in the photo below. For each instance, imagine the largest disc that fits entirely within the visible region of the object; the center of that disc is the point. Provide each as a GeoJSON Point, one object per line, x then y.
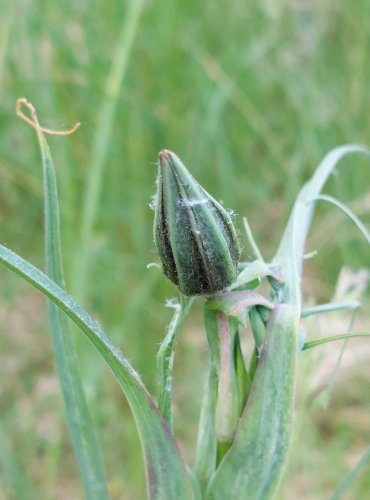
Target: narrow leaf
{"type": "Point", "coordinates": [253, 271]}
{"type": "Point", "coordinates": [351, 476]}
{"type": "Point", "coordinates": [330, 307]}
{"type": "Point", "coordinates": [291, 250]}
{"type": "Point", "coordinates": [166, 474]}
{"type": "Point", "coordinates": [358, 223]}
{"type": "Point", "coordinates": [252, 242]}
{"type": "Point", "coordinates": [342, 336]}
{"type": "Point", "coordinates": [84, 439]}
{"type": "Point", "coordinates": [253, 466]}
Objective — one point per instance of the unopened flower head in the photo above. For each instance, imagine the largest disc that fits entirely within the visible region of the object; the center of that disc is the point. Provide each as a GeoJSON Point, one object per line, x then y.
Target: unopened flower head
{"type": "Point", "coordinates": [194, 235]}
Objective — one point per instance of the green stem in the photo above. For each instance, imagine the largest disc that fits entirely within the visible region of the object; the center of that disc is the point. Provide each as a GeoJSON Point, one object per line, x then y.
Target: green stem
{"type": "Point", "coordinates": [222, 333]}
{"type": "Point", "coordinates": [165, 358]}
{"type": "Point", "coordinates": [205, 462]}
{"type": "Point", "coordinates": [228, 396]}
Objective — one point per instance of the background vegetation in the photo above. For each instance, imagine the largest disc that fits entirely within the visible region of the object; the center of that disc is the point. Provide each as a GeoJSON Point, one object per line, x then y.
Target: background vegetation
{"type": "Point", "coordinates": [251, 96]}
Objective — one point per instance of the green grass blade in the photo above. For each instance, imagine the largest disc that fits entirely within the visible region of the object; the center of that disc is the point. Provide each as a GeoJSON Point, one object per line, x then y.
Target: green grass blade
{"type": "Point", "coordinates": [167, 478]}
{"type": "Point", "coordinates": [11, 472]}
{"type": "Point", "coordinates": [84, 439]}
{"type": "Point", "coordinates": [100, 144]}
{"type": "Point", "coordinates": [330, 307]}
{"type": "Point", "coordinates": [351, 477]}
{"type": "Point", "coordinates": [325, 340]}
{"type": "Point", "coordinates": [253, 465]}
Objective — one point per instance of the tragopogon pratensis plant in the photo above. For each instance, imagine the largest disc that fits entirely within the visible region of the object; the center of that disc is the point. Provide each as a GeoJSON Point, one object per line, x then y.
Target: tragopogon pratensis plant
{"type": "Point", "coordinates": [246, 417]}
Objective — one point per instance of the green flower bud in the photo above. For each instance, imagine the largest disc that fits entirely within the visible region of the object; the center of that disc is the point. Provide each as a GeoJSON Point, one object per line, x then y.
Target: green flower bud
{"type": "Point", "coordinates": [194, 235]}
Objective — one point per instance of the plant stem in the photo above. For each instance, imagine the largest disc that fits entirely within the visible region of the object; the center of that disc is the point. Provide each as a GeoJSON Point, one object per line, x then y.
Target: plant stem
{"type": "Point", "coordinates": [165, 358]}
{"type": "Point", "coordinates": [206, 455]}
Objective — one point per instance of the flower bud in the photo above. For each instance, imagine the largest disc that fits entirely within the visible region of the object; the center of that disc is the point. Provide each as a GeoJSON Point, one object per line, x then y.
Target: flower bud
{"type": "Point", "coordinates": [194, 235]}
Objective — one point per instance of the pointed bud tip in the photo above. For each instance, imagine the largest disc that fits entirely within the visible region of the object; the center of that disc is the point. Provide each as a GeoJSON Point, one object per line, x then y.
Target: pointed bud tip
{"type": "Point", "coordinates": [165, 155]}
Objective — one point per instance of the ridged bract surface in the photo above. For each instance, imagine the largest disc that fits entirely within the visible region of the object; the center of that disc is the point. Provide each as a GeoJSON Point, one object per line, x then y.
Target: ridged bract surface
{"type": "Point", "coordinates": [194, 235]}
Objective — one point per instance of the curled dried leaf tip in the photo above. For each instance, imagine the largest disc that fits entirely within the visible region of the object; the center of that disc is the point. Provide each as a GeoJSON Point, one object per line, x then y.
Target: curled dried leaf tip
{"type": "Point", "coordinates": [33, 121]}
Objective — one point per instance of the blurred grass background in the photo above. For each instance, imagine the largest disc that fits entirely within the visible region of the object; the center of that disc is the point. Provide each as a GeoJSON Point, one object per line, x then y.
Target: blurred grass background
{"type": "Point", "coordinates": [250, 95]}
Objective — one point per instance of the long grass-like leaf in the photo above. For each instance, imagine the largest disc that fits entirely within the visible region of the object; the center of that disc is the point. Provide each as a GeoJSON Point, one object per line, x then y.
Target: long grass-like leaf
{"type": "Point", "coordinates": [291, 249]}
{"type": "Point", "coordinates": [252, 242]}
{"type": "Point", "coordinates": [166, 474]}
{"type": "Point", "coordinates": [326, 340]}
{"type": "Point", "coordinates": [357, 222]}
{"type": "Point", "coordinates": [330, 307]}
{"type": "Point", "coordinates": [84, 439]}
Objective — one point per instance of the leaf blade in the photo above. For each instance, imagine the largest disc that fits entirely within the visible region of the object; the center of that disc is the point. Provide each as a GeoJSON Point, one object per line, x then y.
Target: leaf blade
{"type": "Point", "coordinates": [326, 340]}
{"type": "Point", "coordinates": [167, 478]}
{"type": "Point", "coordinates": [80, 423]}
{"type": "Point", "coordinates": [253, 465]}
{"type": "Point", "coordinates": [291, 249]}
